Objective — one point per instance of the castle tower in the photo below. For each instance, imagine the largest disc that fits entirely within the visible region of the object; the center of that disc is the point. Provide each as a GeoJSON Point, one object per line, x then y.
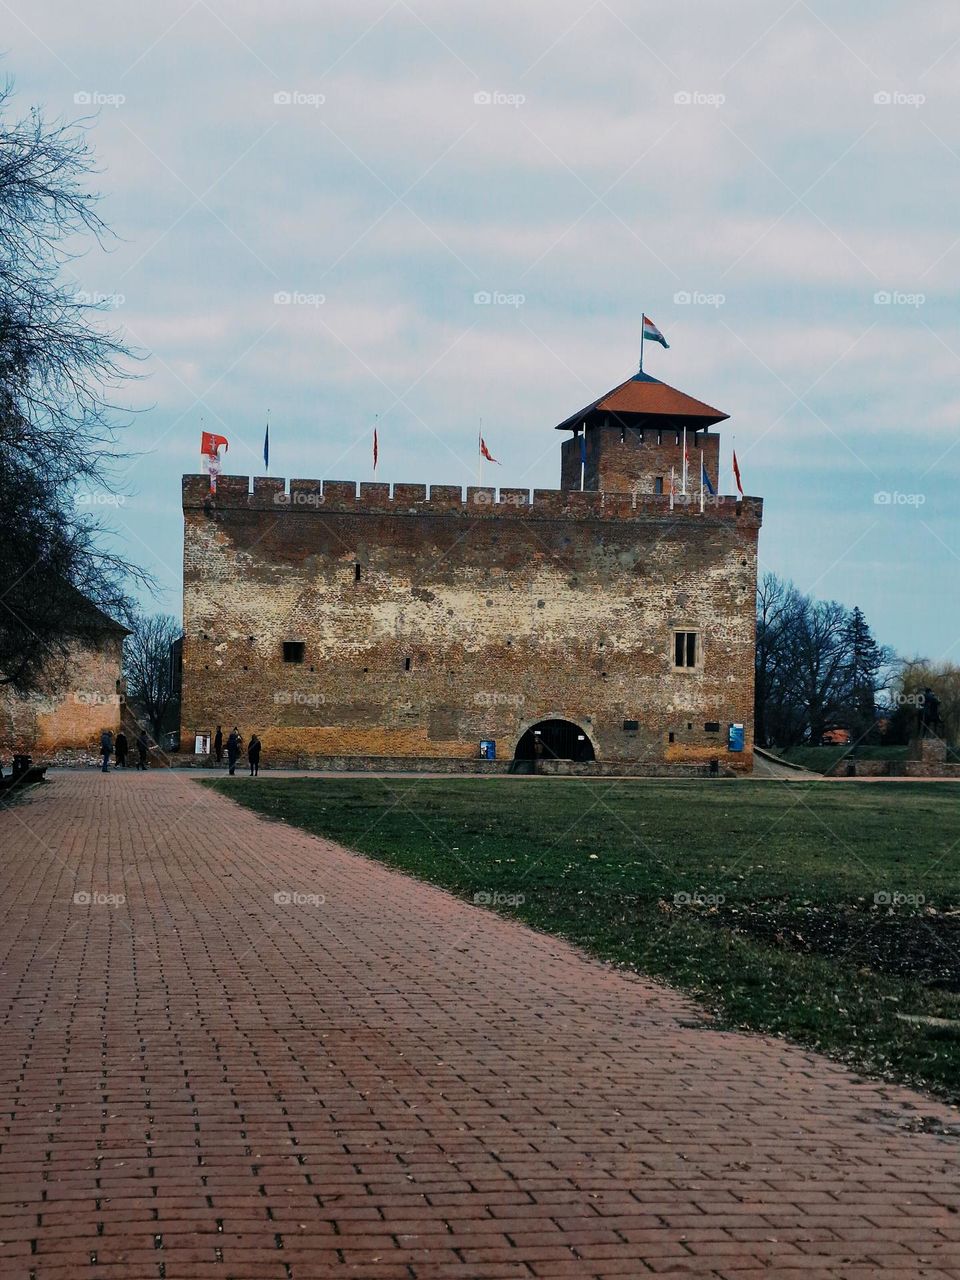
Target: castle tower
{"type": "Point", "coordinates": [634, 435]}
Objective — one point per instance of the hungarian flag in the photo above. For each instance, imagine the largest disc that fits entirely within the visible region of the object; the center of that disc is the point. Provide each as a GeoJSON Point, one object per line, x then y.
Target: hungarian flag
{"type": "Point", "coordinates": [736, 473]}
{"type": "Point", "coordinates": [209, 444]}
{"type": "Point", "coordinates": [485, 452]}
{"type": "Point", "coordinates": [652, 334]}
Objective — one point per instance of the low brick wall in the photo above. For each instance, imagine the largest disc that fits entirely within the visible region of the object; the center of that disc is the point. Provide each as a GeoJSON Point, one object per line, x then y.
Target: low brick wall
{"type": "Point", "coordinates": [453, 765]}
{"type": "Point", "coordinates": [849, 768]}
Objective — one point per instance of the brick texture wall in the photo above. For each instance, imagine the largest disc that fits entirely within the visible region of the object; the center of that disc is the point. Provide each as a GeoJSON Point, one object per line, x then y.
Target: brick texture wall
{"type": "Point", "coordinates": [432, 621]}
{"type": "Point", "coordinates": [67, 722]}
{"type": "Point", "coordinates": [629, 460]}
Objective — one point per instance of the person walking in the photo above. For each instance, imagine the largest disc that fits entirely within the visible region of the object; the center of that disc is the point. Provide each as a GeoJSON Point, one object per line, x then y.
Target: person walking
{"type": "Point", "coordinates": [106, 749]}
{"type": "Point", "coordinates": [233, 749]}
{"type": "Point", "coordinates": [120, 747]}
{"type": "Point", "coordinates": [143, 746]}
{"type": "Point", "coordinates": [253, 755]}
{"type": "Point", "coordinates": [218, 745]}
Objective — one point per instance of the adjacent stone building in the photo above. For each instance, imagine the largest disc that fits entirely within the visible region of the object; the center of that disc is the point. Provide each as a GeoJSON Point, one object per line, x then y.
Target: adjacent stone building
{"type": "Point", "coordinates": [62, 724]}
{"type": "Point", "coordinates": [606, 626]}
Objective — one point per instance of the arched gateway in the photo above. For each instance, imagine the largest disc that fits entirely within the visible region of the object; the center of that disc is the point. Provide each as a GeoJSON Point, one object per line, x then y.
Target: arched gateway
{"type": "Point", "coordinates": [555, 740]}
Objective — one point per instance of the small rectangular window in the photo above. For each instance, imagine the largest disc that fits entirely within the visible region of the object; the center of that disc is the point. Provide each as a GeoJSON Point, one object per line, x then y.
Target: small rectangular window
{"type": "Point", "coordinates": [293, 650]}
{"type": "Point", "coordinates": [631, 726]}
{"type": "Point", "coordinates": [406, 664]}
{"type": "Point", "coordinates": [712, 726]}
{"type": "Point", "coordinates": [658, 484]}
{"type": "Point", "coordinates": [685, 645]}
{"type": "Point", "coordinates": [356, 572]}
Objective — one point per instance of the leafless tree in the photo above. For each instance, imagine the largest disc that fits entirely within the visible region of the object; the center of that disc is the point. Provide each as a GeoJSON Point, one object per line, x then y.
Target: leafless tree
{"type": "Point", "coordinates": [148, 669]}
{"type": "Point", "coordinates": [59, 370]}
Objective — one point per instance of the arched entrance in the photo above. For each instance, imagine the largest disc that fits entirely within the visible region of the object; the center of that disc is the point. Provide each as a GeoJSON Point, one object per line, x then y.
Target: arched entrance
{"type": "Point", "coordinates": [554, 740]}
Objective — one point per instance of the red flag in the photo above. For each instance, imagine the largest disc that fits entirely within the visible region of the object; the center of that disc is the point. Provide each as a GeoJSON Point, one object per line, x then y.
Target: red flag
{"type": "Point", "coordinates": [376, 449]}
{"type": "Point", "coordinates": [210, 443]}
{"type": "Point", "coordinates": [485, 452]}
{"type": "Point", "coordinates": [736, 473]}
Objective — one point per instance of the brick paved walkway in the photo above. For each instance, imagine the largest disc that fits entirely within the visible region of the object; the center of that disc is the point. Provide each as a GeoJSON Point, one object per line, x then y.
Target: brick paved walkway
{"type": "Point", "coordinates": [200, 1081]}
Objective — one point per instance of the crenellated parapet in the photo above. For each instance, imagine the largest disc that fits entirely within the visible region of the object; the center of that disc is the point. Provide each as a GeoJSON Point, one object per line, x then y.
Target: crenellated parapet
{"type": "Point", "coordinates": [485, 502]}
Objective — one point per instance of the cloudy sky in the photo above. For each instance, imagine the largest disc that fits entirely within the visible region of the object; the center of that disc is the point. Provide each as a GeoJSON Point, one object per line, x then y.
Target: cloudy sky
{"type": "Point", "coordinates": [776, 184]}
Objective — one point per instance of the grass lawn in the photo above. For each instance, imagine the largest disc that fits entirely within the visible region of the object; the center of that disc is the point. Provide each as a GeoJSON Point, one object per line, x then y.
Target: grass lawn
{"type": "Point", "coordinates": [775, 904]}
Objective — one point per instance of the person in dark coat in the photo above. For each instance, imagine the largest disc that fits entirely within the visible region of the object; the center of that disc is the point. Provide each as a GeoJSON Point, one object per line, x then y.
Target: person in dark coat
{"type": "Point", "coordinates": [218, 745]}
{"type": "Point", "coordinates": [143, 746]}
{"type": "Point", "coordinates": [120, 748]}
{"type": "Point", "coordinates": [106, 749]}
{"type": "Point", "coordinates": [253, 755]}
{"type": "Point", "coordinates": [233, 749]}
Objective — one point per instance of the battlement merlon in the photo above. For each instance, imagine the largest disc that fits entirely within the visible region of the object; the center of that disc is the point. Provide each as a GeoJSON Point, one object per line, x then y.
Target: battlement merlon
{"type": "Point", "coordinates": [315, 497]}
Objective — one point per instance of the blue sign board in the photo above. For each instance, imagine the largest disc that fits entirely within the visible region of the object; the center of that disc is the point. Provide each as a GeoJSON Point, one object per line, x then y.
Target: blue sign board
{"type": "Point", "coordinates": [488, 749]}
{"type": "Point", "coordinates": [735, 737]}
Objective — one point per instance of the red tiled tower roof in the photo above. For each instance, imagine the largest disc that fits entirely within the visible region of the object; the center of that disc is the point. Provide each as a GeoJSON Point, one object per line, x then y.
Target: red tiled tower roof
{"type": "Point", "coordinates": [644, 397]}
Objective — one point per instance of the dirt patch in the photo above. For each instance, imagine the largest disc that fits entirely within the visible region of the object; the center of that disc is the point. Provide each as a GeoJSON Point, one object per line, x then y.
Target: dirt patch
{"type": "Point", "coordinates": [922, 945]}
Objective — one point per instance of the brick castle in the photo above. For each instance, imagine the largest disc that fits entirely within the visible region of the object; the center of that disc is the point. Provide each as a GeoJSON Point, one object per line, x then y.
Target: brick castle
{"type": "Point", "coordinates": [606, 626]}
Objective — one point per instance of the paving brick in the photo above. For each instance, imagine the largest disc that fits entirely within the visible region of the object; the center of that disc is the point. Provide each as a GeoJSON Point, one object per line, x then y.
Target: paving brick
{"type": "Point", "coordinates": [394, 1086]}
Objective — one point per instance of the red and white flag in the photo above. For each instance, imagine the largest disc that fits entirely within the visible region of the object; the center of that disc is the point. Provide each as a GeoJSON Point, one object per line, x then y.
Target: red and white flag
{"type": "Point", "coordinates": [210, 457]}
{"type": "Point", "coordinates": [736, 473]}
{"type": "Point", "coordinates": [485, 452]}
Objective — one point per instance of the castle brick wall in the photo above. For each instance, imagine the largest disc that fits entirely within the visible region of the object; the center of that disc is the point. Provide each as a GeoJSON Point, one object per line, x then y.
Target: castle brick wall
{"type": "Point", "coordinates": [430, 621]}
{"type": "Point", "coordinates": [66, 723]}
{"type": "Point", "coordinates": [629, 459]}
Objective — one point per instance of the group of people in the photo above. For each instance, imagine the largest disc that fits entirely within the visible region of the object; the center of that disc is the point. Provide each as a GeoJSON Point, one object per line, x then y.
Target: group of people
{"type": "Point", "coordinates": [234, 746]}
{"type": "Point", "coordinates": [118, 747]}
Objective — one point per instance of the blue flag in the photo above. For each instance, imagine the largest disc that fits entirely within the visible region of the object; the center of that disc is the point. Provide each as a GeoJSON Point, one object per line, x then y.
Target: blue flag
{"type": "Point", "coordinates": [707, 483]}
{"type": "Point", "coordinates": [266, 448]}
{"type": "Point", "coordinates": [583, 448]}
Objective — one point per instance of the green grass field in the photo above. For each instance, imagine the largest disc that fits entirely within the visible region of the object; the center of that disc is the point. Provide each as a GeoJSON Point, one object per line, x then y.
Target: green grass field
{"type": "Point", "coordinates": [775, 904]}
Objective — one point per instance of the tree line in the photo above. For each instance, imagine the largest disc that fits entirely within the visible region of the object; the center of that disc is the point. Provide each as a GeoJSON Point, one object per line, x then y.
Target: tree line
{"type": "Point", "coordinates": [819, 668]}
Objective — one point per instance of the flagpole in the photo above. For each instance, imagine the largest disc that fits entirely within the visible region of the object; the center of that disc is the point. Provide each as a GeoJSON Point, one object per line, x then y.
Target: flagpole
{"type": "Point", "coordinates": [583, 457]}
{"type": "Point", "coordinates": [641, 344]}
{"type": "Point", "coordinates": [684, 473]}
{"type": "Point", "coordinates": [701, 482]}
{"type": "Point", "coordinates": [480, 454]}
{"type": "Point", "coordinates": [672, 469]}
